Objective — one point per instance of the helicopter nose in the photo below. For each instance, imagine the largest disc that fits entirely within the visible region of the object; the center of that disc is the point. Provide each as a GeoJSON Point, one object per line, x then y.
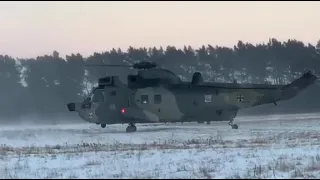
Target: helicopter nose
{"type": "Point", "coordinates": [71, 106]}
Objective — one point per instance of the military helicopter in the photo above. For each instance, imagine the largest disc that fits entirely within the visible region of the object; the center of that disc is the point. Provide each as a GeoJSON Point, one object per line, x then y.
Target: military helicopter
{"type": "Point", "coordinates": [157, 95]}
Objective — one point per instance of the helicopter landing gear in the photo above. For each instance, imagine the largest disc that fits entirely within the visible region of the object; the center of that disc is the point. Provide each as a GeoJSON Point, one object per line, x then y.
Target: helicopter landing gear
{"type": "Point", "coordinates": [131, 128]}
{"type": "Point", "coordinates": [233, 126]}
{"type": "Point", "coordinates": [103, 125]}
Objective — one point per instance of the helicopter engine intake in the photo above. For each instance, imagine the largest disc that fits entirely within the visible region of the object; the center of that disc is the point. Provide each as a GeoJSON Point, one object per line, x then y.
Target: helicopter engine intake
{"type": "Point", "coordinates": [197, 79]}
{"type": "Point", "coordinates": [105, 81]}
{"type": "Point", "coordinates": [71, 106]}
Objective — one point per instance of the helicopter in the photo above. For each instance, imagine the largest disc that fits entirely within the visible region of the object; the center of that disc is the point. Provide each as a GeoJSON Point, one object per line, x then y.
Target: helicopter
{"type": "Point", "coordinates": [157, 95]}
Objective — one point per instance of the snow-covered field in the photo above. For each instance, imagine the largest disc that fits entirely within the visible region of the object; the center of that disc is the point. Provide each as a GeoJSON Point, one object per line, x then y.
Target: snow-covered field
{"type": "Point", "coordinates": [279, 146]}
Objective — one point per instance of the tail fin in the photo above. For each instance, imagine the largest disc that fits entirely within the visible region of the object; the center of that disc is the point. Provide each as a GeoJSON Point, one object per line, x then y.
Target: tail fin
{"type": "Point", "coordinates": [292, 89]}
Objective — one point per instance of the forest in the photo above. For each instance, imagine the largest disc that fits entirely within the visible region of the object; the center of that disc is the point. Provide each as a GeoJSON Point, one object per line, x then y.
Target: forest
{"type": "Point", "coordinates": [45, 84]}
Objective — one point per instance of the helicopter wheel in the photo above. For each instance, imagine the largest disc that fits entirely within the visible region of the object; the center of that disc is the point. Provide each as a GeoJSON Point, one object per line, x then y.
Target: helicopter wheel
{"type": "Point", "coordinates": [131, 128]}
{"type": "Point", "coordinates": [103, 125]}
{"type": "Point", "coordinates": [233, 126]}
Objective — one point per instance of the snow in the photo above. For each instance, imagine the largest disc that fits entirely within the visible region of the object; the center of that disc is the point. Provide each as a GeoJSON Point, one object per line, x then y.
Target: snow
{"type": "Point", "coordinates": [276, 146]}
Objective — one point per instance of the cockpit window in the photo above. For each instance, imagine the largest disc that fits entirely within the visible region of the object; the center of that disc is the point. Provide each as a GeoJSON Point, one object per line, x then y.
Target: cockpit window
{"type": "Point", "coordinates": [87, 100]}
{"type": "Point", "coordinates": [98, 96]}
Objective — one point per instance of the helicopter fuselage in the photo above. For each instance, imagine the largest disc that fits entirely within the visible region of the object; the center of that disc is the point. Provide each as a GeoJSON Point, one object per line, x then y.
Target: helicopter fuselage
{"type": "Point", "coordinates": [180, 102]}
{"type": "Point", "coordinates": [156, 104]}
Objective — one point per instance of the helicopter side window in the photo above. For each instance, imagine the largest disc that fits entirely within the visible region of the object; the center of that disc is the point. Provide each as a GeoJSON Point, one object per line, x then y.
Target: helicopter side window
{"type": "Point", "coordinates": [157, 99]}
{"type": "Point", "coordinates": [98, 96]}
{"type": "Point", "coordinates": [144, 99]}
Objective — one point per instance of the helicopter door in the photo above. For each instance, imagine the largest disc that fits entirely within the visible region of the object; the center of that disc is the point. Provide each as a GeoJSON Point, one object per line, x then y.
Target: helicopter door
{"type": "Point", "coordinates": [164, 105]}
{"type": "Point", "coordinates": [157, 100]}
{"type": "Point", "coordinates": [152, 102]}
{"type": "Point", "coordinates": [116, 101]}
{"type": "Point", "coordinates": [97, 98]}
{"type": "Point", "coordinates": [158, 103]}
{"type": "Point", "coordinates": [110, 110]}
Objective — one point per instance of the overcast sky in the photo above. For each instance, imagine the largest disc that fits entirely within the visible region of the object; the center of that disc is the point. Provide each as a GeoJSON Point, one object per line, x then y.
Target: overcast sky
{"type": "Point", "coordinates": [29, 29]}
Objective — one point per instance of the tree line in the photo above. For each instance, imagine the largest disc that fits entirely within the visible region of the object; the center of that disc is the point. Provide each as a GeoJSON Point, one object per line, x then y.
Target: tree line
{"type": "Point", "coordinates": [45, 84]}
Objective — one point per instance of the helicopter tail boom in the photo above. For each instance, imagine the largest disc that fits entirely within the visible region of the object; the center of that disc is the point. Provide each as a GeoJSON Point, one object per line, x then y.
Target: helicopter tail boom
{"type": "Point", "coordinates": [292, 89]}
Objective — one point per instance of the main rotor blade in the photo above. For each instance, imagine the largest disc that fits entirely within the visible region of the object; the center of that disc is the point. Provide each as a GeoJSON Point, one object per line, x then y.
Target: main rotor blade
{"type": "Point", "coordinates": [108, 65]}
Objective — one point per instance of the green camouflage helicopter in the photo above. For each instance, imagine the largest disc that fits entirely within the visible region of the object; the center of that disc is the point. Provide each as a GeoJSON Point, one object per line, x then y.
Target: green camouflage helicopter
{"type": "Point", "coordinates": [157, 95]}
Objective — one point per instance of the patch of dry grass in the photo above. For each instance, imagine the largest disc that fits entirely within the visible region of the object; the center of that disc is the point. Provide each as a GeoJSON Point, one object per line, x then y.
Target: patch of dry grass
{"type": "Point", "coordinates": [92, 163]}
{"type": "Point", "coordinates": [296, 168]}
{"type": "Point", "coordinates": [200, 143]}
{"type": "Point", "coordinates": [207, 169]}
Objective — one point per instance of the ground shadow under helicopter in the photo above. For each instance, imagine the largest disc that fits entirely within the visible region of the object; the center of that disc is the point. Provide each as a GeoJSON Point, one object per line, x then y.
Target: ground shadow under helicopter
{"type": "Point", "coordinates": [123, 130]}
{"type": "Point", "coordinates": [146, 128]}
